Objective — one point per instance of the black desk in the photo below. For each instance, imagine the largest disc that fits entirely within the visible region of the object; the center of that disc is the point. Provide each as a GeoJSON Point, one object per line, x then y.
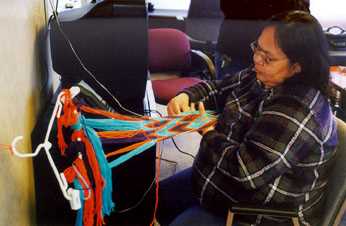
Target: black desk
{"type": "Point", "coordinates": [114, 49]}
{"type": "Point", "coordinates": [338, 82]}
{"type": "Point", "coordinates": [338, 57]}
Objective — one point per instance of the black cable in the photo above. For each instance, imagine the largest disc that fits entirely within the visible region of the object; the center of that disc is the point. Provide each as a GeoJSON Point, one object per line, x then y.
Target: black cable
{"type": "Point", "coordinates": [185, 153]}
{"type": "Point", "coordinates": [140, 201]}
{"type": "Point", "coordinates": [167, 160]}
{"type": "Point", "coordinates": [153, 111]}
{"type": "Point", "coordinates": [56, 5]}
{"type": "Point", "coordinates": [55, 15]}
{"type": "Point", "coordinates": [84, 67]}
{"type": "Point", "coordinates": [171, 162]}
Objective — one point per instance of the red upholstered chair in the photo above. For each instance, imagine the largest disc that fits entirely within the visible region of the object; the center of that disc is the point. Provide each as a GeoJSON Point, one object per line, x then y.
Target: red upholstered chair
{"type": "Point", "coordinates": [173, 65]}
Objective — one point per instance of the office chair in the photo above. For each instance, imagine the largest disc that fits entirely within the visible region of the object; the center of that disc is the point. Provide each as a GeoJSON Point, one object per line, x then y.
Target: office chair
{"type": "Point", "coordinates": [233, 45]}
{"type": "Point", "coordinates": [335, 205]}
{"type": "Point", "coordinates": [173, 65]}
{"type": "Point", "coordinates": [203, 21]}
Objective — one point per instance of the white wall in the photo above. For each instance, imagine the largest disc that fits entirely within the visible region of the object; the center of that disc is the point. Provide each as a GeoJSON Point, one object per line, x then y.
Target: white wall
{"type": "Point", "coordinates": [20, 21]}
{"type": "Point", "coordinates": [172, 4]}
{"type": "Point", "coordinates": [329, 12]}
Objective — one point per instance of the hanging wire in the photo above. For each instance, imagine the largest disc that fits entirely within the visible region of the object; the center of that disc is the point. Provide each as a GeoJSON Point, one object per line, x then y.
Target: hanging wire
{"type": "Point", "coordinates": [79, 175]}
{"type": "Point", "coordinates": [140, 200]}
{"type": "Point", "coordinates": [55, 13]}
{"type": "Point", "coordinates": [56, 5]}
{"type": "Point", "coordinates": [183, 152]}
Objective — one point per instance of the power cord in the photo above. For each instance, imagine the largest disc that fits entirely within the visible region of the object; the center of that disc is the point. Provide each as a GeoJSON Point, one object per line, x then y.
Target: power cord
{"type": "Point", "coordinates": [56, 5]}
{"type": "Point", "coordinates": [141, 199]}
{"type": "Point", "coordinates": [55, 13]}
{"type": "Point", "coordinates": [185, 153]}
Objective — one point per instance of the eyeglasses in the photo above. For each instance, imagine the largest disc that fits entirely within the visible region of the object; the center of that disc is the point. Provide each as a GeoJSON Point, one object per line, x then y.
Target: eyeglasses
{"type": "Point", "coordinates": [256, 49]}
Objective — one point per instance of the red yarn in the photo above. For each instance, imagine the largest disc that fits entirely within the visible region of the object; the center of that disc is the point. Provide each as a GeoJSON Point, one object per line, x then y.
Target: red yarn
{"type": "Point", "coordinates": [68, 118]}
{"type": "Point", "coordinates": [99, 182]}
{"type": "Point", "coordinates": [157, 179]}
{"type": "Point", "coordinates": [70, 174]}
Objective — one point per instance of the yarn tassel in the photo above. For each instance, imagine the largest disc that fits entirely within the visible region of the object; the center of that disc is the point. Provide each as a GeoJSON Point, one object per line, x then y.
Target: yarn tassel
{"type": "Point", "coordinates": [82, 183]}
{"type": "Point", "coordinates": [106, 172]}
{"type": "Point", "coordinates": [99, 182]}
{"type": "Point", "coordinates": [68, 118]}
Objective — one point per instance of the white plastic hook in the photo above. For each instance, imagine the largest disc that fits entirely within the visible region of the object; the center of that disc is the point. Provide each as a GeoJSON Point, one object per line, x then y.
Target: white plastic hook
{"type": "Point", "coordinates": [45, 145]}
{"type": "Point", "coordinates": [69, 193]}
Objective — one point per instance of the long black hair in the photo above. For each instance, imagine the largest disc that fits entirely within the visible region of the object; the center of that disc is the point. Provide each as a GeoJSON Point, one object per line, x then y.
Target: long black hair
{"type": "Point", "coordinates": [300, 36]}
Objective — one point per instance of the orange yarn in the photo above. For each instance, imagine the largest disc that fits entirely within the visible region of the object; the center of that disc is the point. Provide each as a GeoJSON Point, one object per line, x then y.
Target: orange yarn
{"type": "Point", "coordinates": [157, 179]}
{"type": "Point", "coordinates": [338, 69]}
{"type": "Point", "coordinates": [6, 147]}
{"type": "Point", "coordinates": [99, 182]}
{"type": "Point", "coordinates": [89, 205]}
{"type": "Point", "coordinates": [119, 134]}
{"type": "Point", "coordinates": [126, 149]}
{"type": "Point", "coordinates": [110, 114]}
{"type": "Point", "coordinates": [68, 118]}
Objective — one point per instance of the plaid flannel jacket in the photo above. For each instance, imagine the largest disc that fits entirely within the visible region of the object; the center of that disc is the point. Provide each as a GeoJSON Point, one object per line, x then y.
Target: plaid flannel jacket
{"type": "Point", "coordinates": [269, 147]}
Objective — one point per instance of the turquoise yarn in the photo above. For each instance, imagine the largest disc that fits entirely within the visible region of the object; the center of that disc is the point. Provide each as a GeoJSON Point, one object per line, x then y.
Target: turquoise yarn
{"type": "Point", "coordinates": [106, 172]}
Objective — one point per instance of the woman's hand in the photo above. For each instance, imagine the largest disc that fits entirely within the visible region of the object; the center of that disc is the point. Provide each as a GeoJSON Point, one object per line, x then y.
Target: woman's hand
{"type": "Point", "coordinates": [178, 104]}
{"type": "Point", "coordinates": [201, 109]}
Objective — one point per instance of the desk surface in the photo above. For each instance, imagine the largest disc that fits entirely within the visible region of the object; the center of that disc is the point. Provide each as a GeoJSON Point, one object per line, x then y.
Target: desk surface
{"type": "Point", "coordinates": [338, 76]}
{"type": "Point", "coordinates": [333, 53]}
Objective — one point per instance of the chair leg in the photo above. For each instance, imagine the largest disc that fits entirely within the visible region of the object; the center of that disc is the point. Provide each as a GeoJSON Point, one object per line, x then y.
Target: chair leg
{"type": "Point", "coordinates": [295, 221]}
{"type": "Point", "coordinates": [229, 221]}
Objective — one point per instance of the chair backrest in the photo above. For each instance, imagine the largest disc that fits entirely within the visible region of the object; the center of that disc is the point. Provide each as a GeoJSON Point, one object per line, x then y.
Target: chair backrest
{"type": "Point", "coordinates": [336, 192]}
{"type": "Point", "coordinates": [235, 37]}
{"type": "Point", "coordinates": [205, 9]}
{"type": "Point", "coordinates": [169, 50]}
{"type": "Point", "coordinates": [203, 20]}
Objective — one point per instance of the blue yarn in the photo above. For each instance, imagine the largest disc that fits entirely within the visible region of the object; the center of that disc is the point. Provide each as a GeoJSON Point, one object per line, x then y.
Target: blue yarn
{"type": "Point", "coordinates": [106, 172]}
{"type": "Point", "coordinates": [115, 124]}
{"type": "Point", "coordinates": [165, 131]}
{"type": "Point", "coordinates": [131, 154]}
{"type": "Point", "coordinates": [122, 125]}
{"type": "Point", "coordinates": [79, 217]}
{"type": "Point", "coordinates": [200, 121]}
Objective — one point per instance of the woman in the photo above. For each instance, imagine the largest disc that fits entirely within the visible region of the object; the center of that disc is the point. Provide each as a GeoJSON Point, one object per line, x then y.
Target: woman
{"type": "Point", "coordinates": [232, 54]}
{"type": "Point", "coordinates": [275, 135]}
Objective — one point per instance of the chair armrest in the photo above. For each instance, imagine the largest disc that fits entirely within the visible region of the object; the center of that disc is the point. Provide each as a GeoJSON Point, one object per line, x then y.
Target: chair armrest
{"type": "Point", "coordinates": [207, 46]}
{"type": "Point", "coordinates": [211, 44]}
{"type": "Point", "coordinates": [263, 210]}
{"type": "Point", "coordinates": [208, 62]}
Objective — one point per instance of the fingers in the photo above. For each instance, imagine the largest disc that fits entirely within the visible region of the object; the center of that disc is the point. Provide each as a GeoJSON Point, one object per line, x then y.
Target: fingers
{"type": "Point", "coordinates": [192, 107]}
{"type": "Point", "coordinates": [173, 108]}
{"type": "Point", "coordinates": [185, 107]}
{"type": "Point", "coordinates": [178, 104]}
{"type": "Point", "coordinates": [201, 108]}
{"type": "Point", "coordinates": [176, 108]}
